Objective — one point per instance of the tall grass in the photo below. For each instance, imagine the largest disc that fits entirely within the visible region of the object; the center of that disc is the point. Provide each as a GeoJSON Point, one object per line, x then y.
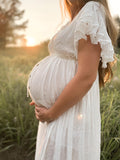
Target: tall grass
{"type": "Point", "coordinates": [110, 117]}
{"type": "Point", "coordinates": [110, 135]}
{"type": "Point", "coordinates": [18, 125]}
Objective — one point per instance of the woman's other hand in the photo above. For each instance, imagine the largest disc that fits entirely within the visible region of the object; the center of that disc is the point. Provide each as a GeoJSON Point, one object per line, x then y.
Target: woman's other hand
{"type": "Point", "coordinates": [42, 113]}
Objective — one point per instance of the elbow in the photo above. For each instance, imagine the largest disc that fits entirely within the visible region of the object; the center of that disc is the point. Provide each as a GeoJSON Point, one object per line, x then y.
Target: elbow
{"type": "Point", "coordinates": [92, 78]}
{"type": "Point", "coordinates": [89, 80]}
{"type": "Point", "coordinates": [86, 78]}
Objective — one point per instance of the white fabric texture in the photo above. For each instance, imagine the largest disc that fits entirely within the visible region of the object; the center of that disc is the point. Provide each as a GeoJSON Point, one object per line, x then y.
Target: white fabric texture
{"type": "Point", "coordinates": [91, 22]}
{"type": "Point", "coordinates": [76, 134]}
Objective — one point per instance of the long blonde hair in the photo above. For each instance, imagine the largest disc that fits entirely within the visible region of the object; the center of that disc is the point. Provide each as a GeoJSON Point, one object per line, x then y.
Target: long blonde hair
{"type": "Point", "coordinates": [105, 74]}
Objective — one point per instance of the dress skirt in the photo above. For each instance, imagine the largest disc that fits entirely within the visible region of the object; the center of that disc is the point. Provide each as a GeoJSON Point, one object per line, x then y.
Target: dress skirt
{"type": "Point", "coordinates": [75, 135]}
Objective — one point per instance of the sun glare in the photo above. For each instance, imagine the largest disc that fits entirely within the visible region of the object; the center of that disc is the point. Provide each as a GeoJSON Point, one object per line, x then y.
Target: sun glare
{"type": "Point", "coordinates": [30, 41]}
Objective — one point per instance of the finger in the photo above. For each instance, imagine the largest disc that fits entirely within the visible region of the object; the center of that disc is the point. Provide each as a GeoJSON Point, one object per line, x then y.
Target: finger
{"type": "Point", "coordinates": [36, 105]}
{"type": "Point", "coordinates": [40, 106]}
{"type": "Point", "coordinates": [32, 103]}
{"type": "Point", "coordinates": [37, 113]}
{"type": "Point", "coordinates": [39, 109]}
{"type": "Point", "coordinates": [41, 117]}
{"type": "Point", "coordinates": [38, 118]}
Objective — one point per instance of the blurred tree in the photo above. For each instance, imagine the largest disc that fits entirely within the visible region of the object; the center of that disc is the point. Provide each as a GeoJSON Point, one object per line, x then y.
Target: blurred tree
{"type": "Point", "coordinates": [10, 16]}
{"type": "Point", "coordinates": [24, 42]}
{"type": "Point", "coordinates": [117, 20]}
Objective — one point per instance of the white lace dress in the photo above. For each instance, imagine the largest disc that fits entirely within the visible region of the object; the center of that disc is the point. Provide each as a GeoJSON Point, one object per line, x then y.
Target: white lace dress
{"type": "Point", "coordinates": [76, 134]}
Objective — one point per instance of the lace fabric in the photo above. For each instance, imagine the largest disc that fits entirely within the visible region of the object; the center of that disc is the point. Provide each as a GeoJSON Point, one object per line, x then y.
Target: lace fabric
{"type": "Point", "coordinates": [91, 21]}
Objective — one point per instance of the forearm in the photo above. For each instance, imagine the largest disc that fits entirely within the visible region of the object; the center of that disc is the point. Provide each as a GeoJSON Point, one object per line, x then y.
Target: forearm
{"type": "Point", "coordinates": [71, 94]}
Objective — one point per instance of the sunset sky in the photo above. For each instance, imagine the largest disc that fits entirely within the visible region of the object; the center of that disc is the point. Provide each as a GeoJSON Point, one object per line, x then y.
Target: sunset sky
{"type": "Point", "coordinates": [44, 17]}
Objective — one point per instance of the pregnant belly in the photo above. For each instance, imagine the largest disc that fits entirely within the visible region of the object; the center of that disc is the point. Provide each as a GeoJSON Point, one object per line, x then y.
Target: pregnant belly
{"type": "Point", "coordinates": [48, 78]}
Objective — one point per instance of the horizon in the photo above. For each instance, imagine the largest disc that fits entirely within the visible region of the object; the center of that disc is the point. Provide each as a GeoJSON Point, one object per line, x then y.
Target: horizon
{"type": "Point", "coordinates": [42, 27]}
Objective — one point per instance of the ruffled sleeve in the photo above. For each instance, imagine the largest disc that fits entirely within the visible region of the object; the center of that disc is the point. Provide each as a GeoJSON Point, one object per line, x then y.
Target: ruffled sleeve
{"type": "Point", "coordinates": [91, 21]}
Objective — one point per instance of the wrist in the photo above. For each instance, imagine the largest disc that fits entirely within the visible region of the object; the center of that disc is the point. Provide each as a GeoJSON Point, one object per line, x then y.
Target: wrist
{"type": "Point", "coordinates": [52, 114]}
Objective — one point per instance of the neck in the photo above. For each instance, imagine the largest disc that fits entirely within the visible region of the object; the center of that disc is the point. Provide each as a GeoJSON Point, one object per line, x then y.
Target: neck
{"type": "Point", "coordinates": [73, 13]}
{"type": "Point", "coordinates": [74, 10]}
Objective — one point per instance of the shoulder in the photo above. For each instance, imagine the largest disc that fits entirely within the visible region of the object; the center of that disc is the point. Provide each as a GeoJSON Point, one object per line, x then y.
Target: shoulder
{"type": "Point", "coordinates": [91, 8]}
{"type": "Point", "coordinates": [92, 4]}
{"type": "Point", "coordinates": [92, 11]}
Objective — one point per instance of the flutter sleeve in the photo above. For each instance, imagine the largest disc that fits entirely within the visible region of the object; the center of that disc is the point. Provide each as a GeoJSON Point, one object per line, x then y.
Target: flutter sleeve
{"type": "Point", "coordinates": [91, 21]}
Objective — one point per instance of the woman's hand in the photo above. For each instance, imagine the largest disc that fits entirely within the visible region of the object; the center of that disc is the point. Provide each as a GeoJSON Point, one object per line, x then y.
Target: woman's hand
{"type": "Point", "coordinates": [42, 113]}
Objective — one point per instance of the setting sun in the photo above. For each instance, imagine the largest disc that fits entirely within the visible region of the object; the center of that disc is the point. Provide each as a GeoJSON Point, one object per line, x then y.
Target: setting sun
{"type": "Point", "coordinates": [31, 41]}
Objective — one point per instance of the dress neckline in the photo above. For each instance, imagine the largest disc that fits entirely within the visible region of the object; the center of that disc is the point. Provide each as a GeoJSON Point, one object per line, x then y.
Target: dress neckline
{"type": "Point", "coordinates": [70, 22]}
{"type": "Point", "coordinates": [75, 17]}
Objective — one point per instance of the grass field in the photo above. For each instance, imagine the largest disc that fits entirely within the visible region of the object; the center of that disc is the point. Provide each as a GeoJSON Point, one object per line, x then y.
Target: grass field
{"type": "Point", "coordinates": [18, 125]}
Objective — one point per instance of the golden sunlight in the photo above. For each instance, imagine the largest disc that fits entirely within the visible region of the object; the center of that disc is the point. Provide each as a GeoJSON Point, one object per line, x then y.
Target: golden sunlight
{"type": "Point", "coordinates": [30, 41]}
{"type": "Point", "coordinates": [80, 116]}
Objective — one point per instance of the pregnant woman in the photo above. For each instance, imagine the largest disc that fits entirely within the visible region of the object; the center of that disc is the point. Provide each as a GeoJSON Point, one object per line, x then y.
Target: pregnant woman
{"type": "Point", "coordinates": [64, 86]}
